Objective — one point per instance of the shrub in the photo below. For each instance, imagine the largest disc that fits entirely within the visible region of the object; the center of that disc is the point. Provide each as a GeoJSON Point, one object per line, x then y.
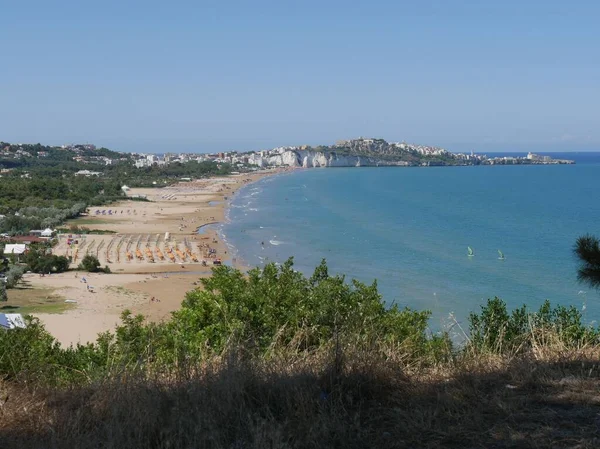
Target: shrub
{"type": "Point", "coordinates": [495, 330]}
{"type": "Point", "coordinates": [39, 261]}
{"type": "Point", "coordinates": [90, 263]}
{"type": "Point", "coordinates": [14, 275]}
{"type": "Point", "coordinates": [3, 295]}
{"type": "Point", "coordinates": [277, 307]}
{"type": "Point", "coordinates": [278, 312]}
{"type": "Point", "coordinates": [39, 217]}
{"type": "Point", "coordinates": [60, 263]}
{"type": "Point", "coordinates": [32, 354]}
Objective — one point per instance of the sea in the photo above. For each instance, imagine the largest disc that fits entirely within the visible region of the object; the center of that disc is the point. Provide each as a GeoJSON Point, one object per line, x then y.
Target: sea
{"type": "Point", "coordinates": [409, 229]}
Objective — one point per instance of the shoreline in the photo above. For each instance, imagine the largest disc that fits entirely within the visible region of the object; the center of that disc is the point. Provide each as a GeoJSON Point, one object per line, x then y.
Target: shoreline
{"type": "Point", "coordinates": [240, 263]}
{"type": "Point", "coordinates": [141, 281]}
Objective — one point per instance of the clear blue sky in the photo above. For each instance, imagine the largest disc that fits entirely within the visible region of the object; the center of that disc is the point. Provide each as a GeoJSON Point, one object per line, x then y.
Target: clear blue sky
{"type": "Point", "coordinates": [215, 75]}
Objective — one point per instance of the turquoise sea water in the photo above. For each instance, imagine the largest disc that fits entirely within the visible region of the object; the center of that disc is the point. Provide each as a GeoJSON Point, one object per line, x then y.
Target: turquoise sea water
{"type": "Point", "coordinates": [409, 228]}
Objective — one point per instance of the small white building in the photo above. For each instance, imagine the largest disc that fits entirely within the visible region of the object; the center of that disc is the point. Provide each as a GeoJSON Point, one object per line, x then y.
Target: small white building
{"type": "Point", "coordinates": [47, 232]}
{"type": "Point", "coordinates": [12, 321]}
{"type": "Point", "coordinates": [87, 173]}
{"type": "Point", "coordinates": [15, 248]}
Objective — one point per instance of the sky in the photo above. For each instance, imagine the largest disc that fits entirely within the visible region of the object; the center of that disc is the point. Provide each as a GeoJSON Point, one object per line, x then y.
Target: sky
{"type": "Point", "coordinates": [204, 76]}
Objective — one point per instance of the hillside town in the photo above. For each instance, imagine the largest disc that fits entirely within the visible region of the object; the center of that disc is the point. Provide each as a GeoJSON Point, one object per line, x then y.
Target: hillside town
{"type": "Point", "coordinates": [373, 151]}
{"type": "Point", "coordinates": [353, 152]}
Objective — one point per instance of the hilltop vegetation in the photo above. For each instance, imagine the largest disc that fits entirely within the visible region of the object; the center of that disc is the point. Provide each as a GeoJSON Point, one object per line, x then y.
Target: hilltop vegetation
{"type": "Point", "coordinates": [381, 149]}
{"type": "Point", "coordinates": [114, 169]}
{"type": "Point", "coordinates": [40, 188]}
{"type": "Point", "coordinates": [167, 174]}
{"type": "Point", "coordinates": [276, 359]}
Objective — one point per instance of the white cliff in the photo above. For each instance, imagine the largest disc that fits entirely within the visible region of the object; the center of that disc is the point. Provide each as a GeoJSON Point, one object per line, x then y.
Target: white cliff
{"type": "Point", "coordinates": [309, 159]}
{"type": "Point", "coordinates": [360, 152]}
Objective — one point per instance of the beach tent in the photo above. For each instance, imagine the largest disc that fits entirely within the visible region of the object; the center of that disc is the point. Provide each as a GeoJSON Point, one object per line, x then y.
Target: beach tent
{"type": "Point", "coordinates": [15, 248]}
{"type": "Point", "coordinates": [47, 232]}
{"type": "Point", "coordinates": [12, 321]}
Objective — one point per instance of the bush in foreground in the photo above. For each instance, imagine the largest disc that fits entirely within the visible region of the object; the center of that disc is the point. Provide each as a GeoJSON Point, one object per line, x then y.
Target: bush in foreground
{"type": "Point", "coordinates": [277, 311]}
{"type": "Point", "coordinates": [276, 359]}
{"type": "Point", "coordinates": [496, 330]}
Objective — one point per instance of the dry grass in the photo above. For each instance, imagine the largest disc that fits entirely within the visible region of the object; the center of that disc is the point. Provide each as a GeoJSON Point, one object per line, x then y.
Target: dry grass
{"type": "Point", "coordinates": [541, 400]}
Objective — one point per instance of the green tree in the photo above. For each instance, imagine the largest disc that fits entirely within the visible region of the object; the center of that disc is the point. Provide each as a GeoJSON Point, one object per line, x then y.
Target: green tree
{"type": "Point", "coordinates": [587, 250]}
{"type": "Point", "coordinates": [39, 261]}
{"type": "Point", "coordinates": [60, 263]}
{"type": "Point", "coordinates": [14, 275]}
{"type": "Point", "coordinates": [3, 295]}
{"type": "Point", "coordinates": [90, 263]}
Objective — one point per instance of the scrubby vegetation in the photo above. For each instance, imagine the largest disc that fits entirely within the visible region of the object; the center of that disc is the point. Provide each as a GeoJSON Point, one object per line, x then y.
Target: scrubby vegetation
{"type": "Point", "coordinates": [91, 264]}
{"type": "Point", "coordinates": [275, 359]}
{"type": "Point", "coordinates": [43, 179]}
{"type": "Point", "coordinates": [40, 260]}
{"type": "Point", "coordinates": [74, 229]}
{"type": "Point", "coordinates": [167, 174]}
{"type": "Point", "coordinates": [28, 218]}
{"type": "Point", "coordinates": [14, 275]}
{"type": "Point", "coordinates": [47, 191]}
{"type": "Point", "coordinates": [50, 201]}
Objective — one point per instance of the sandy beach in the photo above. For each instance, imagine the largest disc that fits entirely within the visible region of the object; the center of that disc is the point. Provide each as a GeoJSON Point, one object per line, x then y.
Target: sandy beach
{"type": "Point", "coordinates": [101, 298]}
{"type": "Point", "coordinates": [156, 255]}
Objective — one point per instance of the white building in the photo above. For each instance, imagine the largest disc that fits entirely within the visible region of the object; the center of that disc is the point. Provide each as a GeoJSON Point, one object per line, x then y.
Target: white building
{"type": "Point", "coordinates": [87, 173]}
{"type": "Point", "coordinates": [141, 163]}
{"type": "Point", "coordinates": [15, 248]}
{"type": "Point", "coordinates": [47, 233]}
